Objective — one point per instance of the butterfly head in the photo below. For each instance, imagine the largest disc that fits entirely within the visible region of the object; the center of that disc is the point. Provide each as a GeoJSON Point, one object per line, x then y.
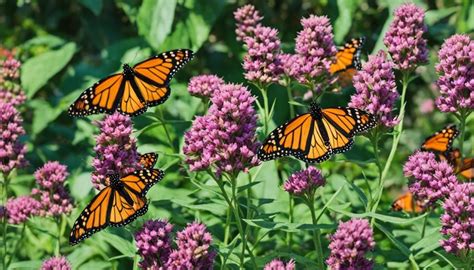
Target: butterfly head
{"type": "Point", "coordinates": [127, 70]}
{"type": "Point", "coordinates": [315, 109]}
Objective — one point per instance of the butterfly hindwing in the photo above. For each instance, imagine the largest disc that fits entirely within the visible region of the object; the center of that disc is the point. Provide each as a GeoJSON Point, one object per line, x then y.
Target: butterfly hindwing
{"type": "Point", "coordinates": [141, 181]}
{"type": "Point", "coordinates": [148, 160]}
{"type": "Point", "coordinates": [347, 61]}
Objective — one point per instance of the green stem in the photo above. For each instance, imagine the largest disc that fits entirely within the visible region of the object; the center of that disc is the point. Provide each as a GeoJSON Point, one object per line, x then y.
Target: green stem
{"type": "Point", "coordinates": [462, 119]}
{"type": "Point", "coordinates": [290, 99]}
{"type": "Point", "coordinates": [374, 139]}
{"type": "Point", "coordinates": [17, 244]}
{"type": "Point", "coordinates": [266, 117]}
{"type": "Point", "coordinates": [227, 227]}
{"type": "Point", "coordinates": [289, 235]}
{"type": "Point", "coordinates": [396, 139]}
{"type": "Point", "coordinates": [423, 230]}
{"type": "Point", "coordinates": [163, 123]}
{"type": "Point", "coordinates": [238, 221]}
{"type": "Point", "coordinates": [5, 223]}
{"type": "Point", "coordinates": [57, 251]}
{"type": "Point", "coordinates": [316, 233]}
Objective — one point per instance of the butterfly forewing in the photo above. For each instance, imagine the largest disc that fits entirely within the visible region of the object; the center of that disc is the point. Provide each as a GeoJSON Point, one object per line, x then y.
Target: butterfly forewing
{"type": "Point", "coordinates": [141, 181]}
{"type": "Point", "coordinates": [148, 160]}
{"type": "Point", "coordinates": [441, 141]}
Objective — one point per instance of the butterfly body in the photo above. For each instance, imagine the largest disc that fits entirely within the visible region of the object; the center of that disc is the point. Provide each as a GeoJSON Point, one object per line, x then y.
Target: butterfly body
{"type": "Point", "coordinates": [316, 135]}
{"type": "Point", "coordinates": [131, 92]}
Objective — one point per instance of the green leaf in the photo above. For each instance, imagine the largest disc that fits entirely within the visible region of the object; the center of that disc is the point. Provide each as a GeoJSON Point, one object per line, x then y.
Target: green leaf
{"type": "Point", "coordinates": [44, 114]}
{"type": "Point", "coordinates": [404, 249]}
{"type": "Point", "coordinates": [37, 71]}
{"type": "Point", "coordinates": [125, 247]}
{"type": "Point", "coordinates": [343, 23]}
{"type": "Point", "coordinates": [285, 226]}
{"type": "Point", "coordinates": [427, 244]}
{"type": "Point", "coordinates": [434, 16]}
{"type": "Point", "coordinates": [384, 218]}
{"type": "Point", "coordinates": [36, 264]}
{"type": "Point", "coordinates": [155, 19]}
{"type": "Point", "coordinates": [93, 5]}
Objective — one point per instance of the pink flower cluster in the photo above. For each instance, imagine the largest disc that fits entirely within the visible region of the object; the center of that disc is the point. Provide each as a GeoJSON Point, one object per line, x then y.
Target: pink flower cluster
{"type": "Point", "coordinates": [224, 138]}
{"type": "Point", "coordinates": [20, 209]}
{"type": "Point", "coordinates": [430, 180]}
{"type": "Point", "coordinates": [154, 243]}
{"type": "Point", "coordinates": [56, 263]}
{"type": "Point", "coordinates": [10, 89]}
{"type": "Point", "coordinates": [304, 182]}
{"type": "Point", "coordinates": [116, 150]}
{"type": "Point", "coordinates": [204, 85]}
{"type": "Point", "coordinates": [280, 265]}
{"type": "Point", "coordinates": [12, 150]}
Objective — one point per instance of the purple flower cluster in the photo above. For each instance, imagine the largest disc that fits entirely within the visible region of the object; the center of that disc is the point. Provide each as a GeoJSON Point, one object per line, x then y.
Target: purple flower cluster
{"type": "Point", "coordinates": [404, 39]}
{"type": "Point", "coordinates": [224, 139]}
{"type": "Point", "coordinates": [247, 19]}
{"type": "Point", "coordinates": [19, 209]}
{"type": "Point", "coordinates": [193, 249]}
{"type": "Point", "coordinates": [315, 50]}
{"type": "Point", "coordinates": [154, 243]}
{"type": "Point", "coordinates": [10, 89]}
{"type": "Point", "coordinates": [52, 194]}
{"type": "Point", "coordinates": [458, 220]}
{"type": "Point", "coordinates": [352, 240]}
{"type": "Point", "coordinates": [376, 91]}
{"type": "Point", "coordinates": [456, 74]}
{"type": "Point", "coordinates": [280, 265]}
{"type": "Point", "coordinates": [430, 180]}
{"type": "Point", "coordinates": [56, 263]}
{"type": "Point", "coordinates": [204, 85]}
{"type": "Point", "coordinates": [304, 182]}
{"type": "Point", "coordinates": [116, 150]}
{"type": "Point", "coordinates": [262, 63]}
{"type": "Point", "coordinates": [12, 150]}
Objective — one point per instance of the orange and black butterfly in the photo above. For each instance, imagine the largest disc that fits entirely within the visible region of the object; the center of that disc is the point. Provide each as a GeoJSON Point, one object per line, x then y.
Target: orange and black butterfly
{"type": "Point", "coordinates": [119, 203]}
{"type": "Point", "coordinates": [135, 89]}
{"type": "Point", "coordinates": [347, 61]}
{"type": "Point", "coordinates": [441, 144]}
{"type": "Point", "coordinates": [148, 160]}
{"type": "Point", "coordinates": [407, 203]}
{"type": "Point", "coordinates": [316, 135]}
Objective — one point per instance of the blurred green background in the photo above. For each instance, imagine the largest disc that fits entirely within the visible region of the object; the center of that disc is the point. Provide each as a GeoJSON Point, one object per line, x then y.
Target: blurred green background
{"type": "Point", "coordinates": [65, 46]}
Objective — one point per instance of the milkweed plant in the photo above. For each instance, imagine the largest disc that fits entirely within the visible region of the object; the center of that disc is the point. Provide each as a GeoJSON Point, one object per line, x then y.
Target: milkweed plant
{"type": "Point", "coordinates": [219, 206]}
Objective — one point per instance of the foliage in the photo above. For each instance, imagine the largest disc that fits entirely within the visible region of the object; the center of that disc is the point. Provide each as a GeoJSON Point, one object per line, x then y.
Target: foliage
{"type": "Point", "coordinates": [65, 46]}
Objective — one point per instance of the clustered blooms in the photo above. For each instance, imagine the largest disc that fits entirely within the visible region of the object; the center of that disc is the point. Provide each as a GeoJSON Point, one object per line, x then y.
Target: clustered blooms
{"type": "Point", "coordinates": [19, 209]}
{"type": "Point", "coordinates": [224, 138]}
{"type": "Point", "coordinates": [456, 74]}
{"type": "Point", "coordinates": [262, 64]}
{"type": "Point", "coordinates": [458, 220]}
{"type": "Point", "coordinates": [404, 39]}
{"type": "Point", "coordinates": [116, 150]}
{"type": "Point", "coordinates": [247, 19]}
{"type": "Point", "coordinates": [12, 150]}
{"type": "Point", "coordinates": [349, 244]}
{"type": "Point", "coordinates": [204, 85]}
{"type": "Point", "coordinates": [56, 263]}
{"type": "Point", "coordinates": [304, 182]}
{"type": "Point", "coordinates": [280, 265]}
{"type": "Point", "coordinates": [10, 89]}
{"type": "Point", "coordinates": [154, 243]}
{"type": "Point", "coordinates": [430, 180]}
{"type": "Point", "coordinates": [193, 247]}
{"type": "Point", "coordinates": [52, 194]}
{"type": "Point", "coordinates": [376, 91]}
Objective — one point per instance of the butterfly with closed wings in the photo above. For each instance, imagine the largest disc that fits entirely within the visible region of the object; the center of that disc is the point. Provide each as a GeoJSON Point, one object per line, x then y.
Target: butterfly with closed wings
{"type": "Point", "coordinates": [316, 135]}
{"type": "Point", "coordinates": [120, 202]}
{"type": "Point", "coordinates": [347, 61]}
{"type": "Point", "coordinates": [135, 89]}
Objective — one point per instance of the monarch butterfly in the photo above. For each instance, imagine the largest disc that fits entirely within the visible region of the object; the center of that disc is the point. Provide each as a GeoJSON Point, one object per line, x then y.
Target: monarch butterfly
{"type": "Point", "coordinates": [441, 144]}
{"type": "Point", "coordinates": [148, 160]}
{"type": "Point", "coordinates": [119, 203]}
{"type": "Point", "coordinates": [135, 89]}
{"type": "Point", "coordinates": [407, 203]}
{"type": "Point", "coordinates": [347, 61]}
{"type": "Point", "coordinates": [315, 136]}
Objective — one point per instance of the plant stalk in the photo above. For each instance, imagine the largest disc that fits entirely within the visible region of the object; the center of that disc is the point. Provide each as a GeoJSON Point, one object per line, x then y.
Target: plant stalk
{"type": "Point", "coordinates": [316, 233]}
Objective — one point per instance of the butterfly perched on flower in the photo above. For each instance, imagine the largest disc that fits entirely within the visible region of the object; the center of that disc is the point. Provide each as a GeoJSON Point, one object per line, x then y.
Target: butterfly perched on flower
{"type": "Point", "coordinates": [120, 202]}
{"type": "Point", "coordinates": [441, 144]}
{"type": "Point", "coordinates": [407, 203]}
{"type": "Point", "coordinates": [347, 61]}
{"type": "Point", "coordinates": [135, 89]}
{"type": "Point", "coordinates": [316, 135]}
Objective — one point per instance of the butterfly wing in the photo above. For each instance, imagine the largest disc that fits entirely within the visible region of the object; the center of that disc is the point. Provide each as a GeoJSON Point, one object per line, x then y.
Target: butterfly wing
{"type": "Point", "coordinates": [139, 182]}
{"type": "Point", "coordinates": [341, 124]}
{"type": "Point", "coordinates": [103, 96]}
{"type": "Point", "coordinates": [148, 160]}
{"type": "Point", "coordinates": [126, 206]}
{"type": "Point", "coordinates": [441, 141]}
{"type": "Point", "coordinates": [466, 169]}
{"type": "Point", "coordinates": [153, 76]}
{"type": "Point", "coordinates": [347, 61]}
{"type": "Point", "coordinates": [94, 217]}
{"type": "Point", "coordinates": [407, 203]}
